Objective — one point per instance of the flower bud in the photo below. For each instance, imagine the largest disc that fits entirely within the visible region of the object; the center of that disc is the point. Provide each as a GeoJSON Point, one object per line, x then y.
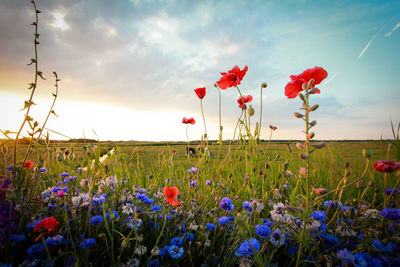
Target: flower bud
{"type": "Point", "coordinates": [303, 156]}
{"type": "Point", "coordinates": [319, 145]}
{"type": "Point", "coordinates": [367, 153]}
{"type": "Point", "coordinates": [215, 85]}
{"type": "Point", "coordinates": [320, 191]}
{"type": "Point", "coordinates": [304, 86]}
{"type": "Point", "coordinates": [310, 82]}
{"type": "Point", "coordinates": [313, 107]}
{"type": "Point", "coordinates": [313, 91]}
{"type": "Point", "coordinates": [302, 97]}
{"type": "Point", "coordinates": [251, 110]}
{"type": "Point", "coordinates": [298, 115]}
{"type": "Point", "coordinates": [310, 135]}
{"type": "Point", "coordinates": [313, 123]}
{"type": "Point", "coordinates": [299, 145]}
{"type": "Point", "coordinates": [264, 85]}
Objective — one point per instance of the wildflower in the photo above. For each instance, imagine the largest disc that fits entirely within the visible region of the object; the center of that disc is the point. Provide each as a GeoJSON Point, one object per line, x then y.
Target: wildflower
{"type": "Point", "coordinates": [391, 214]}
{"type": "Point", "coordinates": [176, 241]}
{"type": "Point", "coordinates": [188, 237]}
{"type": "Point", "coordinates": [17, 238]}
{"type": "Point", "coordinates": [49, 226]}
{"type": "Point", "coordinates": [188, 121]}
{"type": "Point", "coordinates": [262, 231]}
{"type": "Point", "coordinates": [193, 183]}
{"type": "Point", "coordinates": [208, 182]}
{"type": "Point", "coordinates": [244, 99]}
{"type": "Point", "coordinates": [273, 128]}
{"type": "Point", "coordinates": [64, 174]}
{"type": "Point", "coordinates": [232, 78]}
{"type": "Point", "coordinates": [386, 166]}
{"type": "Point", "coordinates": [112, 182]}
{"type": "Point", "coordinates": [175, 252]}
{"type": "Point", "coordinates": [171, 193]}
{"type": "Point", "coordinates": [223, 220]}
{"type": "Point", "coordinates": [319, 215]}
{"type": "Point", "coordinates": [156, 208]}
{"type": "Point", "coordinates": [87, 243]}
{"type": "Point", "coordinates": [192, 170]}
{"type": "Point", "coordinates": [96, 220]}
{"type": "Point", "coordinates": [43, 169]}
{"type": "Point", "coordinates": [246, 206]}
{"type": "Point", "coordinates": [346, 257]}
{"type": "Point", "coordinates": [200, 92]}
{"type": "Point", "coordinates": [154, 263]}
{"type": "Point", "coordinates": [141, 250]}
{"type": "Point", "coordinates": [35, 251]}
{"type": "Point", "coordinates": [277, 238]}
{"type": "Point", "coordinates": [132, 223]}
{"type": "Point", "coordinates": [210, 226]}
{"type": "Point", "coordinates": [226, 204]}
{"type": "Point", "coordinates": [114, 215]}
{"type": "Point", "coordinates": [295, 86]}
{"type": "Point", "coordinates": [29, 164]}
{"type": "Point", "coordinates": [390, 190]}
{"type": "Point", "coordinates": [247, 248]}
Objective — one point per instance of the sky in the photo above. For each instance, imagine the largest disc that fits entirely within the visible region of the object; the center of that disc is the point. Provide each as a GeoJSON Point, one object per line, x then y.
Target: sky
{"type": "Point", "coordinates": [128, 68]}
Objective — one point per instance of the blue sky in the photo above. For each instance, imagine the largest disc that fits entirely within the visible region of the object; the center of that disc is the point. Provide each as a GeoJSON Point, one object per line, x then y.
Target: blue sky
{"type": "Point", "coordinates": [128, 68]}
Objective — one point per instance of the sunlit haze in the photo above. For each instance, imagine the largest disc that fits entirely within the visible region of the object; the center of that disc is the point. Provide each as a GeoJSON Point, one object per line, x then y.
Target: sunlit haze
{"type": "Point", "coordinates": [128, 68]}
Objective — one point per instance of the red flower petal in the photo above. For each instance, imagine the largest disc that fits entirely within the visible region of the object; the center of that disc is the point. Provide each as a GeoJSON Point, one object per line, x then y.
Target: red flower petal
{"type": "Point", "coordinates": [293, 88]}
{"type": "Point", "coordinates": [173, 202]}
{"type": "Point", "coordinates": [171, 192]}
{"type": "Point", "coordinates": [232, 77]}
{"type": "Point", "coordinates": [386, 166]}
{"type": "Point", "coordinates": [29, 164]}
{"type": "Point", "coordinates": [200, 92]}
{"type": "Point", "coordinates": [316, 73]}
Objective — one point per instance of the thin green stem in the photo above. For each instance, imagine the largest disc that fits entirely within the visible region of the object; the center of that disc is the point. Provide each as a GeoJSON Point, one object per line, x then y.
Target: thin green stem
{"type": "Point", "coordinates": [204, 121]}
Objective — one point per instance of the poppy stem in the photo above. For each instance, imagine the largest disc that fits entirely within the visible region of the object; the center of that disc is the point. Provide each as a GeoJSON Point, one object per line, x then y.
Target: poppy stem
{"type": "Point", "coordinates": [187, 138]}
{"type": "Point", "coordinates": [219, 110]}
{"type": "Point", "coordinates": [204, 121]}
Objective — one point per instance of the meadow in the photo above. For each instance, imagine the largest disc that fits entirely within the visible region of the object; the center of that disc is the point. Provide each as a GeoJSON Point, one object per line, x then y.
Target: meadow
{"type": "Point", "coordinates": [240, 202]}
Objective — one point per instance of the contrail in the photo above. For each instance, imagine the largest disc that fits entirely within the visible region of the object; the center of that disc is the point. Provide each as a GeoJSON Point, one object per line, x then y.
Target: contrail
{"type": "Point", "coordinates": [329, 80]}
{"type": "Point", "coordinates": [370, 41]}
{"type": "Point", "coordinates": [393, 30]}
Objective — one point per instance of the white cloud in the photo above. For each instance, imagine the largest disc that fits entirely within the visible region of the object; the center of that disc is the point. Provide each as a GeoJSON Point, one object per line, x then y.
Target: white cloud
{"type": "Point", "coordinates": [393, 30]}
{"type": "Point", "coordinates": [59, 21]}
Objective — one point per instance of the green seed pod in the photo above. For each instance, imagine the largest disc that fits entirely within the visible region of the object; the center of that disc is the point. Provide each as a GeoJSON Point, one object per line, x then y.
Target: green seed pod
{"type": "Point", "coordinates": [251, 111]}
{"type": "Point", "coordinates": [367, 153]}
{"type": "Point", "coordinates": [310, 82]}
{"type": "Point", "coordinates": [60, 156]}
{"type": "Point", "coordinates": [313, 123]}
{"type": "Point", "coordinates": [264, 85]}
{"type": "Point", "coordinates": [302, 97]}
{"type": "Point", "coordinates": [313, 91]}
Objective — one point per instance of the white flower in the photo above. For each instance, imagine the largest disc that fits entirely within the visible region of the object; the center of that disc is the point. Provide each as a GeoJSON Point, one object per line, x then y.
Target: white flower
{"type": "Point", "coordinates": [155, 251]}
{"type": "Point", "coordinates": [111, 181]}
{"type": "Point", "coordinates": [207, 243]}
{"type": "Point", "coordinates": [127, 209]}
{"type": "Point", "coordinates": [76, 200]}
{"type": "Point", "coordinates": [141, 250]}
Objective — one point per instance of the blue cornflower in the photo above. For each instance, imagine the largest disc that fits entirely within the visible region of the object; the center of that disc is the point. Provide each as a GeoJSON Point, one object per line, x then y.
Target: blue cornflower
{"type": "Point", "coordinates": [17, 238]}
{"type": "Point", "coordinates": [163, 251]}
{"type": "Point", "coordinates": [175, 252]}
{"type": "Point", "coordinates": [330, 240]}
{"type": "Point", "coordinates": [154, 263]}
{"type": "Point", "coordinates": [188, 237]}
{"type": "Point", "coordinates": [372, 261]}
{"type": "Point", "coordinates": [293, 250]}
{"type": "Point", "coordinates": [359, 260]}
{"type": "Point", "coordinates": [149, 201]}
{"type": "Point", "coordinates": [377, 244]}
{"type": "Point", "coordinates": [391, 214]}
{"type": "Point", "coordinates": [208, 182]}
{"type": "Point", "coordinates": [115, 215]}
{"type": "Point", "coordinates": [176, 241]}
{"type": "Point", "coordinates": [278, 239]}
{"type": "Point", "coordinates": [246, 205]}
{"type": "Point", "coordinates": [267, 222]}
{"type": "Point", "coordinates": [65, 189]}
{"type": "Point", "coordinates": [64, 174]}
{"type": "Point", "coordinates": [192, 170]}
{"type": "Point", "coordinates": [210, 226]}
{"type": "Point", "coordinates": [35, 251]}
{"type": "Point", "coordinates": [87, 243]}
{"type": "Point", "coordinates": [156, 208]}
{"type": "Point", "coordinates": [55, 189]}
{"type": "Point", "coordinates": [345, 256]}
{"type": "Point", "coordinates": [193, 183]}
{"type": "Point", "coordinates": [226, 204]}
{"type": "Point", "coordinates": [96, 219]}
{"type": "Point", "coordinates": [319, 215]}
{"type": "Point", "coordinates": [43, 169]}
{"type": "Point", "coordinates": [132, 223]}
{"type": "Point", "coordinates": [247, 248]}
{"type": "Point", "coordinates": [390, 190]}
{"type": "Point", "coordinates": [54, 241]}
{"type": "Point", "coordinates": [262, 231]}
{"type": "Point", "coordinates": [223, 220]}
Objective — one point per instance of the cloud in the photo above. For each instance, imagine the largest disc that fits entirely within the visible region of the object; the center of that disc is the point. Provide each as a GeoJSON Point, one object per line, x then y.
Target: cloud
{"type": "Point", "coordinates": [393, 30]}
{"type": "Point", "coordinates": [329, 80]}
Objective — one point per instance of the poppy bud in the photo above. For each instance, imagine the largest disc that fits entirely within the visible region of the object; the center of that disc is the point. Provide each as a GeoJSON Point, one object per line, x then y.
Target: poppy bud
{"type": "Point", "coordinates": [215, 85]}
{"type": "Point", "coordinates": [319, 145]}
{"type": "Point", "coordinates": [298, 115]}
{"type": "Point", "coordinates": [367, 153]}
{"type": "Point", "coordinates": [320, 191]}
{"type": "Point", "coordinates": [313, 107]}
{"type": "Point", "coordinates": [304, 86]}
{"type": "Point", "coordinates": [299, 145]}
{"type": "Point", "coordinates": [285, 165]}
{"type": "Point", "coordinates": [264, 85]}
{"type": "Point", "coordinates": [310, 82]}
{"type": "Point", "coordinates": [313, 91]}
{"type": "Point", "coordinates": [251, 110]}
{"type": "Point", "coordinates": [310, 135]}
{"type": "Point", "coordinates": [313, 123]}
{"type": "Point", "coordinates": [60, 156]}
{"type": "Point", "coordinates": [303, 156]}
{"type": "Point", "coordinates": [302, 97]}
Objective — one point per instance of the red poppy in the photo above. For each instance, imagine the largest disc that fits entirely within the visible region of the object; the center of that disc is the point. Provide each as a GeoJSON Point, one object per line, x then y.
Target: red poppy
{"type": "Point", "coordinates": [294, 87]}
{"type": "Point", "coordinates": [232, 78]}
{"type": "Point", "coordinates": [386, 166]}
{"type": "Point", "coordinates": [49, 226]}
{"type": "Point", "coordinates": [171, 193]}
{"type": "Point", "coordinates": [246, 99]}
{"type": "Point", "coordinates": [29, 164]}
{"type": "Point", "coordinates": [189, 120]}
{"type": "Point", "coordinates": [200, 92]}
{"type": "Point", "coordinates": [273, 127]}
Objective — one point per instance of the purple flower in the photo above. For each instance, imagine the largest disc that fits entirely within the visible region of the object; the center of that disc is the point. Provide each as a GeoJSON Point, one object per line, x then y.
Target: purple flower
{"type": "Point", "coordinates": [223, 220]}
{"type": "Point", "coordinates": [210, 226]}
{"type": "Point", "coordinates": [262, 231]}
{"type": "Point", "coordinates": [390, 190]}
{"type": "Point", "coordinates": [247, 248]}
{"type": "Point", "coordinates": [226, 204]}
{"type": "Point", "coordinates": [391, 214]}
